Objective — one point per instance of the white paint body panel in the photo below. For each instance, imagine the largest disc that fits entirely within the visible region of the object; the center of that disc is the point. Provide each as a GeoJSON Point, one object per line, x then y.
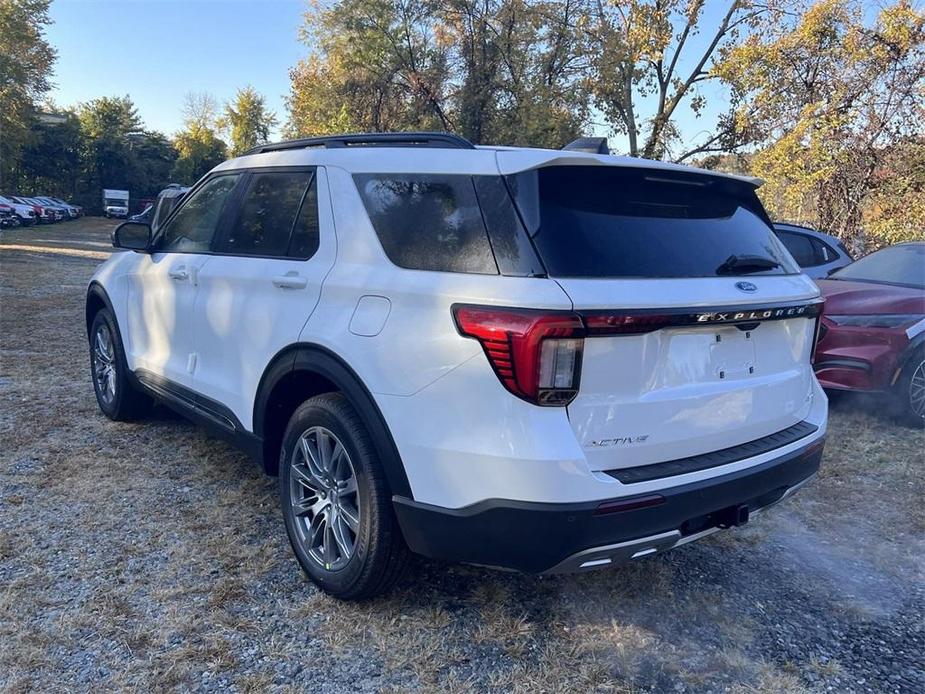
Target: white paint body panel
{"type": "Point", "coordinates": [158, 324]}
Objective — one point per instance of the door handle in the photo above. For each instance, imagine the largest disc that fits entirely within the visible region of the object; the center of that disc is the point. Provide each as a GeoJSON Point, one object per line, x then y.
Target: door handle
{"type": "Point", "coordinates": [179, 274]}
{"type": "Point", "coordinates": [291, 280]}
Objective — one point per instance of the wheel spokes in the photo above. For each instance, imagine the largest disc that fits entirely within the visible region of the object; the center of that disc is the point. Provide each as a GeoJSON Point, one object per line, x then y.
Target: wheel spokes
{"type": "Point", "coordinates": [324, 498]}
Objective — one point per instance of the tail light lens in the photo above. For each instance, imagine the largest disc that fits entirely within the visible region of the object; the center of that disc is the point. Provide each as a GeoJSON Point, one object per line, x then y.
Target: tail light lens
{"type": "Point", "coordinates": [536, 354]}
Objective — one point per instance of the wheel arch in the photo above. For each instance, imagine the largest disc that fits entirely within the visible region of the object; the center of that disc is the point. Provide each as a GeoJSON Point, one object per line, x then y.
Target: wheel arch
{"type": "Point", "coordinates": [97, 299]}
{"type": "Point", "coordinates": [304, 370]}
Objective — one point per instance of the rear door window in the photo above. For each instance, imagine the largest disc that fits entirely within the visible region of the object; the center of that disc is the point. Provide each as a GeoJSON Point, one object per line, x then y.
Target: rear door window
{"type": "Point", "coordinates": [428, 222]}
{"type": "Point", "coordinates": [609, 222]}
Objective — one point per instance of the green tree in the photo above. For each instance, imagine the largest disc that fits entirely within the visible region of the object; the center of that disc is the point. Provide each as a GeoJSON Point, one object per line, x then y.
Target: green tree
{"type": "Point", "coordinates": [505, 71]}
{"type": "Point", "coordinates": [247, 121]}
{"type": "Point", "coordinates": [651, 58]}
{"type": "Point", "coordinates": [828, 95]}
{"type": "Point", "coordinates": [198, 146]}
{"type": "Point", "coordinates": [26, 60]}
{"type": "Point", "coordinates": [106, 156]}
{"type": "Point", "coordinates": [51, 157]}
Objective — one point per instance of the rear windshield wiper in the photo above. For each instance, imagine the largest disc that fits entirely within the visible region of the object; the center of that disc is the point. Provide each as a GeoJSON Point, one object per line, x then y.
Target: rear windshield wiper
{"type": "Point", "coordinates": [746, 264]}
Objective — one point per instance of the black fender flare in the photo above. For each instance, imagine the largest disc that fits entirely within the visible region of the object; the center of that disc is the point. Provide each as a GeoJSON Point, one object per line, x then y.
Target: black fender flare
{"type": "Point", "coordinates": [903, 362]}
{"type": "Point", "coordinates": [96, 290]}
{"type": "Point", "coordinates": [319, 360]}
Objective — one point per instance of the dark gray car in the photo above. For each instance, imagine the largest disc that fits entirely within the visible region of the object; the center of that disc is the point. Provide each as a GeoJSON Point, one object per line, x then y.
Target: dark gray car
{"type": "Point", "coordinates": [818, 254]}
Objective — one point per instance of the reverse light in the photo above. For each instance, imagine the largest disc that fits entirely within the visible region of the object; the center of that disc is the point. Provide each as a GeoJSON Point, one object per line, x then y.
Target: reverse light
{"type": "Point", "coordinates": [885, 320]}
{"type": "Point", "coordinates": [536, 354]}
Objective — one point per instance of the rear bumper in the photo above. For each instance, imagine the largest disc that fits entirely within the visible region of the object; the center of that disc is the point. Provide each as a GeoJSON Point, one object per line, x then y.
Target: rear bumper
{"type": "Point", "coordinates": [550, 538]}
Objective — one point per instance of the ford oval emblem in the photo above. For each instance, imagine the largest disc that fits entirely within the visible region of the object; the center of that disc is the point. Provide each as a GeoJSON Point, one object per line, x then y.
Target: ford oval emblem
{"type": "Point", "coordinates": [746, 287]}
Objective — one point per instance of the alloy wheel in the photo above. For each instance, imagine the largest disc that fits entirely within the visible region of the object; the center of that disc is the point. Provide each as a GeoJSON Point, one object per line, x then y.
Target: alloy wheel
{"type": "Point", "coordinates": [324, 498]}
{"type": "Point", "coordinates": [104, 364]}
{"type": "Point", "coordinates": [917, 390]}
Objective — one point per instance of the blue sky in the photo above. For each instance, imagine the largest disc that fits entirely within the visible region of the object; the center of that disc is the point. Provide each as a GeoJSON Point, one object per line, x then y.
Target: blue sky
{"type": "Point", "coordinates": [158, 50]}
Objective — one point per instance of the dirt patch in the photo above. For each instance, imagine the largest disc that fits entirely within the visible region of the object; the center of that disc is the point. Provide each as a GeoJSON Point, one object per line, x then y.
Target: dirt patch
{"type": "Point", "coordinates": [150, 555]}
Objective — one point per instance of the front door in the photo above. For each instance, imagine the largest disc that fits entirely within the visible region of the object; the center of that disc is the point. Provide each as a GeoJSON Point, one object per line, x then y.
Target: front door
{"type": "Point", "coordinates": [162, 289]}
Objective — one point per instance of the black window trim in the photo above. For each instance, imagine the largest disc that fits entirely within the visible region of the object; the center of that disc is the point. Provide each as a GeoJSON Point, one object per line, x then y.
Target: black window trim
{"type": "Point", "coordinates": [232, 206]}
{"type": "Point", "coordinates": [238, 200]}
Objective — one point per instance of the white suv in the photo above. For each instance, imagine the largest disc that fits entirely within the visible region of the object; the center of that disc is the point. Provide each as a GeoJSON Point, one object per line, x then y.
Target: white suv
{"type": "Point", "coordinates": [532, 359]}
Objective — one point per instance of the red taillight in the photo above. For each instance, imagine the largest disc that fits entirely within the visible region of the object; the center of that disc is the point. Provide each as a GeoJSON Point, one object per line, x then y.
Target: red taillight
{"type": "Point", "coordinates": [536, 354]}
{"type": "Point", "coordinates": [626, 323]}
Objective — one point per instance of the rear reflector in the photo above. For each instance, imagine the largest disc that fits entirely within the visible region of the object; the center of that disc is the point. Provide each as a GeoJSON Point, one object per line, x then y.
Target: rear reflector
{"type": "Point", "coordinates": [631, 504]}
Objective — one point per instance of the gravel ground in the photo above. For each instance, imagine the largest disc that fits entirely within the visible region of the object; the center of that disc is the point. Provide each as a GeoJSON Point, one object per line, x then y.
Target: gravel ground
{"type": "Point", "coordinates": [150, 555]}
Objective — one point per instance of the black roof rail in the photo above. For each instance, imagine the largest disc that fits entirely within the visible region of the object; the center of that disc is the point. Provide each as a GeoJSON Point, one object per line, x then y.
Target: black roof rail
{"type": "Point", "coordinates": [413, 139]}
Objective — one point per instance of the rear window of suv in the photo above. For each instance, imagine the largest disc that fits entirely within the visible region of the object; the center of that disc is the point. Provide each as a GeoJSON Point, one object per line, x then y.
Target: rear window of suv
{"type": "Point", "coordinates": [591, 221]}
{"type": "Point", "coordinates": [428, 222]}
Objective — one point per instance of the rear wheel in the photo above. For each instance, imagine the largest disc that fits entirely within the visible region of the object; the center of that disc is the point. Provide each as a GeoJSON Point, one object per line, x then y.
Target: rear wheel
{"type": "Point", "coordinates": [909, 392]}
{"type": "Point", "coordinates": [118, 398]}
{"type": "Point", "coordinates": [336, 502]}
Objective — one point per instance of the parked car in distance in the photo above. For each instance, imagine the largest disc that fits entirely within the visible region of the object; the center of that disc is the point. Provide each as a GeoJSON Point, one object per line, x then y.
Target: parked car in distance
{"type": "Point", "coordinates": [166, 200]}
{"type": "Point", "coordinates": [43, 214]}
{"type": "Point", "coordinates": [76, 210]}
{"type": "Point", "coordinates": [144, 216]}
{"type": "Point", "coordinates": [25, 213]}
{"type": "Point", "coordinates": [818, 254]}
{"type": "Point", "coordinates": [8, 217]}
{"type": "Point", "coordinates": [492, 357]}
{"type": "Point", "coordinates": [62, 211]}
{"type": "Point", "coordinates": [872, 336]}
{"type": "Point", "coordinates": [70, 211]}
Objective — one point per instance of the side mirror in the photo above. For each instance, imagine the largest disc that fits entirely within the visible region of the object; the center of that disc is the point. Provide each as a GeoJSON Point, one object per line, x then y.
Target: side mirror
{"type": "Point", "coordinates": [133, 236]}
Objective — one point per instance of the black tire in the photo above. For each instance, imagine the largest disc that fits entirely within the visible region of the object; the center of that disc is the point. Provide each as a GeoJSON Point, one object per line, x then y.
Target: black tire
{"type": "Point", "coordinates": [907, 403]}
{"type": "Point", "coordinates": [124, 402]}
{"type": "Point", "coordinates": [379, 554]}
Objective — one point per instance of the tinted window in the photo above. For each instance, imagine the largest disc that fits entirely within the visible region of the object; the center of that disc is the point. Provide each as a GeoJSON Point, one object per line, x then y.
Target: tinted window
{"type": "Point", "coordinates": [904, 265]}
{"type": "Point", "coordinates": [800, 247]}
{"type": "Point", "coordinates": [590, 221]}
{"type": "Point", "coordinates": [164, 206]}
{"type": "Point", "coordinates": [428, 222]}
{"type": "Point", "coordinates": [512, 248]}
{"type": "Point", "coordinates": [192, 228]}
{"type": "Point", "coordinates": [305, 233]}
{"type": "Point", "coordinates": [268, 214]}
{"type": "Point", "coordinates": [824, 252]}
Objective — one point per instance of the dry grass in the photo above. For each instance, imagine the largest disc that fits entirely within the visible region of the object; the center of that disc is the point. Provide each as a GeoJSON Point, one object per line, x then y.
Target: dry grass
{"type": "Point", "coordinates": [151, 556]}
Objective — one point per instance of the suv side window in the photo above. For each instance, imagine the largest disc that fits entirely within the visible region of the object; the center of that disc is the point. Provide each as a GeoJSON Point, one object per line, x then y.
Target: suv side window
{"type": "Point", "coordinates": [800, 247]}
{"type": "Point", "coordinates": [824, 252]}
{"type": "Point", "coordinates": [274, 210]}
{"type": "Point", "coordinates": [428, 222]}
{"type": "Point", "coordinates": [192, 228]}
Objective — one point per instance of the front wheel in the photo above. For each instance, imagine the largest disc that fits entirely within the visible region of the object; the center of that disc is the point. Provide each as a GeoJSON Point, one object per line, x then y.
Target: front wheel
{"type": "Point", "coordinates": [117, 397]}
{"type": "Point", "coordinates": [336, 502]}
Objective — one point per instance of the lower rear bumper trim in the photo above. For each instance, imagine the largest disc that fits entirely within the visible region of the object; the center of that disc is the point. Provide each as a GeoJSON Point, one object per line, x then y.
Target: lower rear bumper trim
{"type": "Point", "coordinates": [545, 537]}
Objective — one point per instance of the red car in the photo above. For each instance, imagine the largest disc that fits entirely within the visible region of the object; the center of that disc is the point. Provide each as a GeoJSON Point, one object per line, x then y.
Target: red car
{"type": "Point", "coordinates": [872, 336]}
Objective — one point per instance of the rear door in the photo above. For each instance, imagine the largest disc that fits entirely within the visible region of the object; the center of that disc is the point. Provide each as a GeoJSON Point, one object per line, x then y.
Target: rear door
{"type": "Point", "coordinates": [261, 283]}
{"type": "Point", "coordinates": [700, 323]}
